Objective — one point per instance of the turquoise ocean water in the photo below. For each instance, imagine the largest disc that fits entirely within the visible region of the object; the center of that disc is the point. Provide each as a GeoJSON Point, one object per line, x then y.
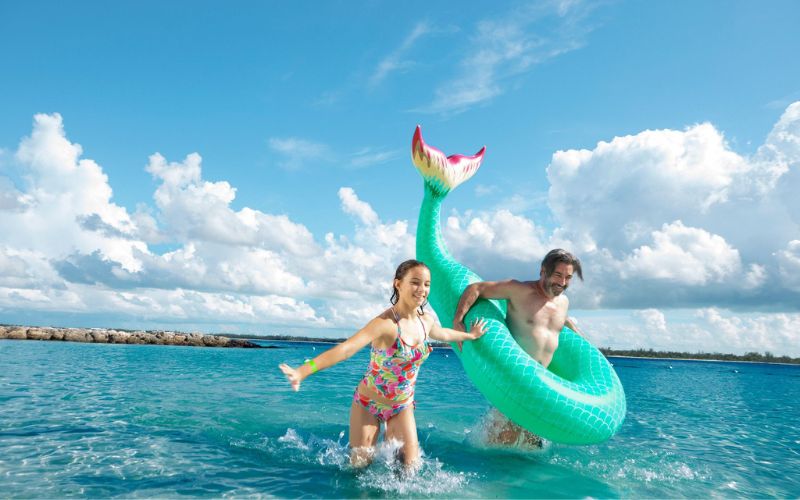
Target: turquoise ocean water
{"type": "Point", "coordinates": [96, 420]}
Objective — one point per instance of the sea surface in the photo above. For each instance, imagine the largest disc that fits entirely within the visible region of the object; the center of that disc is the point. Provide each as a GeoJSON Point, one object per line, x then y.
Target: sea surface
{"type": "Point", "coordinates": [100, 420]}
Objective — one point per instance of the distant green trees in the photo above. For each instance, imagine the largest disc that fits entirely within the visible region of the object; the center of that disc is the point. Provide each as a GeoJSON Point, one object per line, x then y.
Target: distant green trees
{"type": "Point", "coordinates": [753, 356]}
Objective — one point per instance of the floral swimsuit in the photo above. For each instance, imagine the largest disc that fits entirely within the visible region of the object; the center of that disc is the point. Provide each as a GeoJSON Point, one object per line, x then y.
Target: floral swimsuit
{"type": "Point", "coordinates": [392, 373]}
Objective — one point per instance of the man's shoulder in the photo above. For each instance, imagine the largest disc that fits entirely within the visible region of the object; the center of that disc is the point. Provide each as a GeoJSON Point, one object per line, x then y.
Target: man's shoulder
{"type": "Point", "coordinates": [514, 282]}
{"type": "Point", "coordinates": [522, 285]}
{"type": "Point", "coordinates": [518, 287]}
{"type": "Point", "coordinates": [504, 289]}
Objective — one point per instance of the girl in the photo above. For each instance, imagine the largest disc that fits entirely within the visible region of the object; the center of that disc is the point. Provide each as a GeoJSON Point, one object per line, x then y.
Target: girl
{"type": "Point", "coordinates": [399, 338]}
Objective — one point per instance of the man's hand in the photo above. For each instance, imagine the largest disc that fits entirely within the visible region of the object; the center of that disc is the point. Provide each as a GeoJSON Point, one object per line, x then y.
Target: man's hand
{"type": "Point", "coordinates": [468, 297]}
{"type": "Point", "coordinates": [570, 323]}
{"type": "Point", "coordinates": [458, 324]}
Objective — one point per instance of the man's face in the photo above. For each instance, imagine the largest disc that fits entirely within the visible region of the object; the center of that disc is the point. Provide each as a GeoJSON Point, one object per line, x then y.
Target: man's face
{"type": "Point", "coordinates": [555, 284]}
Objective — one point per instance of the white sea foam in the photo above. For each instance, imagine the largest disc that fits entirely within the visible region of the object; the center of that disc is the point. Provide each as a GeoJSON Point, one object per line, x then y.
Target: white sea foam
{"type": "Point", "coordinates": [293, 446]}
{"type": "Point", "coordinates": [293, 440]}
{"type": "Point", "coordinates": [427, 477]}
{"type": "Point", "coordinates": [385, 473]}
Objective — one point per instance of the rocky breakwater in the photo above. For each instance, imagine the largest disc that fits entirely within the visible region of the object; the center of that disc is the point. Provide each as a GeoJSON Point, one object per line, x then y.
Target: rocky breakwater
{"type": "Point", "coordinates": [105, 336]}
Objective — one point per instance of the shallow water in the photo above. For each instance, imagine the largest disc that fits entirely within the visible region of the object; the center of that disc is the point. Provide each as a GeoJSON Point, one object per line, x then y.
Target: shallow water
{"type": "Point", "coordinates": [99, 420]}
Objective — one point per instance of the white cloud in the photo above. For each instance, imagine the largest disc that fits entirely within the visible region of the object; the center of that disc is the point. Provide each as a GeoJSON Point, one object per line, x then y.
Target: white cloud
{"type": "Point", "coordinates": [781, 103]}
{"type": "Point", "coordinates": [353, 206]}
{"type": "Point", "coordinates": [160, 307]}
{"type": "Point", "coordinates": [394, 62]}
{"type": "Point", "coordinates": [684, 255]}
{"type": "Point", "coordinates": [367, 157]}
{"type": "Point", "coordinates": [505, 47]}
{"type": "Point", "coordinates": [653, 319]}
{"type": "Point", "coordinates": [296, 153]}
{"type": "Point", "coordinates": [779, 157]}
{"type": "Point", "coordinates": [496, 243]}
{"type": "Point", "coordinates": [700, 330]}
{"type": "Point", "coordinates": [25, 269]}
{"type": "Point", "coordinates": [486, 190]}
{"type": "Point", "coordinates": [622, 190]}
{"type": "Point", "coordinates": [776, 333]}
{"type": "Point", "coordinates": [194, 209]}
{"type": "Point", "coordinates": [61, 191]}
{"type": "Point", "coordinates": [789, 265]}
{"type": "Point", "coordinates": [68, 248]}
{"type": "Point", "coordinates": [755, 277]}
{"type": "Point", "coordinates": [783, 142]}
{"type": "Point", "coordinates": [671, 218]}
{"type": "Point", "coordinates": [10, 198]}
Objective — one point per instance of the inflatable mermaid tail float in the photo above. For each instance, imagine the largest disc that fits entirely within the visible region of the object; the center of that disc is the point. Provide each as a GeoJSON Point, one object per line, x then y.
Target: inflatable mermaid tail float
{"type": "Point", "coordinates": [578, 399]}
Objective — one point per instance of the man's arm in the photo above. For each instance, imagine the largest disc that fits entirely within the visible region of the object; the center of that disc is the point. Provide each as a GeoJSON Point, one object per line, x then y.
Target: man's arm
{"type": "Point", "coordinates": [481, 290]}
{"type": "Point", "coordinates": [572, 326]}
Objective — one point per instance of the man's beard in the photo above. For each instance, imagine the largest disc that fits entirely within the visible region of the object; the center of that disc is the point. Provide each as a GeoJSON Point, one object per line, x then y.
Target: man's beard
{"type": "Point", "coordinates": [553, 290]}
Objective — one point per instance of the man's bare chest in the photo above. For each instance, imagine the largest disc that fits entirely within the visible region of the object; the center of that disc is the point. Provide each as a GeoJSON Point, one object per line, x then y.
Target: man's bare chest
{"type": "Point", "coordinates": [536, 312]}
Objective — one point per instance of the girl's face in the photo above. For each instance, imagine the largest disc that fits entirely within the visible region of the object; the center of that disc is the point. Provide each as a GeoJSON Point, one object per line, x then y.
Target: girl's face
{"type": "Point", "coordinates": [414, 287]}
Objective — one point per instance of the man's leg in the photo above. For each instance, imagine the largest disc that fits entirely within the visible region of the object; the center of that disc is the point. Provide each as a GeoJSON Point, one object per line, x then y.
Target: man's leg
{"type": "Point", "coordinates": [503, 431]}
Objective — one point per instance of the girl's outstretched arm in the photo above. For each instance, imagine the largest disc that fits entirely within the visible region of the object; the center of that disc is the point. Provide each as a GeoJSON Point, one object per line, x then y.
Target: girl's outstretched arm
{"type": "Point", "coordinates": [449, 335]}
{"type": "Point", "coordinates": [335, 354]}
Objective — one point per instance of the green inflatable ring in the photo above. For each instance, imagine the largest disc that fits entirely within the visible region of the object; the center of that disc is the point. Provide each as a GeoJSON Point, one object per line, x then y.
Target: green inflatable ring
{"type": "Point", "coordinates": [578, 399]}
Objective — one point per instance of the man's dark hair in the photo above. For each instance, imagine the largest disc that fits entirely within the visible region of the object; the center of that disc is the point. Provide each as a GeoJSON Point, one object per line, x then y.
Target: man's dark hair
{"type": "Point", "coordinates": [558, 256]}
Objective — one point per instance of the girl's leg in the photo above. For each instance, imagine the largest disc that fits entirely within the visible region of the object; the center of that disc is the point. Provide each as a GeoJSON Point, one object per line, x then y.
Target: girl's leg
{"type": "Point", "coordinates": [364, 430]}
{"type": "Point", "coordinates": [403, 427]}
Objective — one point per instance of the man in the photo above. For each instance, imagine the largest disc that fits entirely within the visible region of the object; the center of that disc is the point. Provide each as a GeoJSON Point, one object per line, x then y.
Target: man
{"type": "Point", "coordinates": [537, 311]}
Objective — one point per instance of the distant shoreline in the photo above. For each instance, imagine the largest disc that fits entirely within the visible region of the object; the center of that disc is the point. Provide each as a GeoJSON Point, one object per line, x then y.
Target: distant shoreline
{"type": "Point", "coordinates": [712, 360]}
{"type": "Point", "coordinates": [113, 336]}
{"type": "Point", "coordinates": [160, 337]}
{"type": "Point", "coordinates": [750, 357]}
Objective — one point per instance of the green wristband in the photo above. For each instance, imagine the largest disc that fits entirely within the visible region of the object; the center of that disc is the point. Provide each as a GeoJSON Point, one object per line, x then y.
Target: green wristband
{"type": "Point", "coordinates": [312, 364]}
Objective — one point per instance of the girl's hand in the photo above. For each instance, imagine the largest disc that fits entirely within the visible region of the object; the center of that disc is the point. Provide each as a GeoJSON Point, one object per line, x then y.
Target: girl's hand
{"type": "Point", "coordinates": [292, 375]}
{"type": "Point", "coordinates": [478, 329]}
{"type": "Point", "coordinates": [476, 332]}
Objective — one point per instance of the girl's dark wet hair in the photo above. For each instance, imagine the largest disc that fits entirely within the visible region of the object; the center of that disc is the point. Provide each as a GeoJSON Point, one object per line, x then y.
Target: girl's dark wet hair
{"type": "Point", "coordinates": [559, 256]}
{"type": "Point", "coordinates": [402, 269]}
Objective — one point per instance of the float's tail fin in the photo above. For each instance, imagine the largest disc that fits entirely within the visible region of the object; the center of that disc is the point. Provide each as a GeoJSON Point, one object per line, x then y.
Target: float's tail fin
{"type": "Point", "coordinates": [442, 173]}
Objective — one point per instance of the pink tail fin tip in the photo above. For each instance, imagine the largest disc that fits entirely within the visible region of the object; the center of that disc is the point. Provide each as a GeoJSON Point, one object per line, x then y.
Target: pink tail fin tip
{"type": "Point", "coordinates": [442, 173]}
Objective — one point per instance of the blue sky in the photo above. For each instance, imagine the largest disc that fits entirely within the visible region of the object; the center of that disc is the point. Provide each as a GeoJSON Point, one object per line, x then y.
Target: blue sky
{"type": "Point", "coordinates": [246, 168]}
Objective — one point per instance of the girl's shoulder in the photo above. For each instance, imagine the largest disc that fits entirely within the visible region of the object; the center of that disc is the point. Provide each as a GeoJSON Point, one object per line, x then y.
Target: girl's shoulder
{"type": "Point", "coordinates": [383, 323]}
{"type": "Point", "coordinates": [383, 329]}
{"type": "Point", "coordinates": [387, 317]}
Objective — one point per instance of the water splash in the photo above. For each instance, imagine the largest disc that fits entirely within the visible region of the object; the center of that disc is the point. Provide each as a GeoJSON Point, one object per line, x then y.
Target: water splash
{"type": "Point", "coordinates": [428, 477]}
{"type": "Point", "coordinates": [482, 436]}
{"type": "Point", "coordinates": [292, 446]}
{"type": "Point", "coordinates": [386, 473]}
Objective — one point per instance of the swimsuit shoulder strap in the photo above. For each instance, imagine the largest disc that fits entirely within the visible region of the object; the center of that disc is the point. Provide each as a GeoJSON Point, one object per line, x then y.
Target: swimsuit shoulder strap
{"type": "Point", "coordinates": [424, 330]}
{"type": "Point", "coordinates": [397, 322]}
